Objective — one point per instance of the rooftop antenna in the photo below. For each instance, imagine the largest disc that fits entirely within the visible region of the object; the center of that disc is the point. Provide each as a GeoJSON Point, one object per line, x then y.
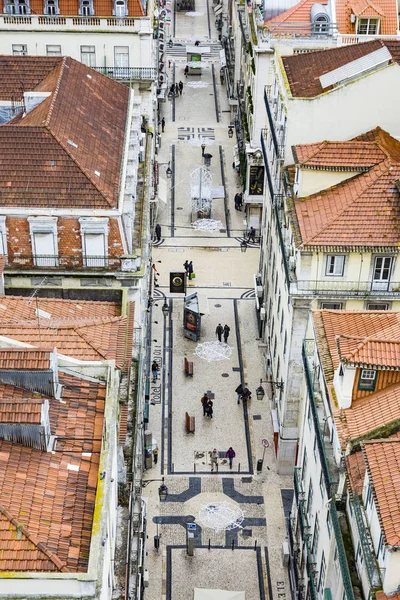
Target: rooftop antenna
{"type": "Point", "coordinates": [35, 296]}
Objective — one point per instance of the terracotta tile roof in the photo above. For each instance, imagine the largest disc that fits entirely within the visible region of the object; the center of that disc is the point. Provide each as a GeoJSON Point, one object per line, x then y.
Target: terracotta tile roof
{"type": "Point", "coordinates": [304, 70]}
{"type": "Point", "coordinates": [19, 75]}
{"type": "Point", "coordinates": [26, 358]}
{"type": "Point", "coordinates": [383, 596]}
{"type": "Point", "coordinates": [67, 151]}
{"type": "Point", "coordinates": [361, 211]}
{"type": "Point", "coordinates": [386, 10]}
{"type": "Point", "coordinates": [355, 466]}
{"type": "Point", "coordinates": [352, 154]}
{"type": "Point", "coordinates": [25, 308]}
{"type": "Point", "coordinates": [123, 425]}
{"type": "Point", "coordinates": [102, 8]}
{"type": "Point", "coordinates": [383, 466]}
{"type": "Point", "coordinates": [367, 352]}
{"type": "Point", "coordinates": [377, 409]}
{"type": "Point", "coordinates": [367, 415]}
{"type": "Point", "coordinates": [84, 339]}
{"type": "Point", "coordinates": [329, 324]}
{"type": "Point", "coordinates": [294, 21]}
{"type": "Point", "coordinates": [47, 499]}
{"type": "Point", "coordinates": [21, 412]}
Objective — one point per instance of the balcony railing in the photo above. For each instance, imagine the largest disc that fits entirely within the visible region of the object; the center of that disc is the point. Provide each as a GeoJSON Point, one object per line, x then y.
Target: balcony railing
{"type": "Point", "coordinates": [366, 545]}
{"type": "Point", "coordinates": [67, 263]}
{"type": "Point", "coordinates": [128, 73]}
{"type": "Point", "coordinates": [319, 287]}
{"type": "Point", "coordinates": [347, 40]}
{"type": "Point", "coordinates": [323, 460]}
{"type": "Point", "coordinates": [77, 23]}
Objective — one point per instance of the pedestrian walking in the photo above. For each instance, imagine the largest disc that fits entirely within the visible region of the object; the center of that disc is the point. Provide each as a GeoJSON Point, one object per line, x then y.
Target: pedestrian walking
{"type": "Point", "coordinates": [246, 395]}
{"type": "Point", "coordinates": [240, 200]}
{"type": "Point", "coordinates": [162, 124]}
{"type": "Point", "coordinates": [153, 266]}
{"type": "Point", "coordinates": [239, 391]}
{"type": "Point", "coordinates": [169, 64]}
{"type": "Point", "coordinates": [158, 232]}
{"type": "Point", "coordinates": [230, 455]}
{"type": "Point", "coordinates": [155, 369]}
{"type": "Point", "coordinates": [252, 234]}
{"type": "Point", "coordinates": [186, 71]}
{"type": "Point", "coordinates": [237, 201]}
{"type": "Point", "coordinates": [180, 84]}
{"type": "Point", "coordinates": [186, 266]}
{"type": "Point", "coordinates": [176, 89]}
{"type": "Point", "coordinates": [197, 43]}
{"type": "Point", "coordinates": [209, 408]}
{"type": "Point", "coordinates": [190, 269]}
{"type": "Point", "coordinates": [219, 331]}
{"type": "Point", "coordinates": [155, 455]}
{"type": "Point", "coordinates": [214, 459]}
{"type": "Point", "coordinates": [204, 401]}
{"type": "Point", "coordinates": [226, 333]}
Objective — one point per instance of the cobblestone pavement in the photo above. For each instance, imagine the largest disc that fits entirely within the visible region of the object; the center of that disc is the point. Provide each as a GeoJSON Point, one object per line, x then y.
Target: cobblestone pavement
{"type": "Point", "coordinates": [248, 558]}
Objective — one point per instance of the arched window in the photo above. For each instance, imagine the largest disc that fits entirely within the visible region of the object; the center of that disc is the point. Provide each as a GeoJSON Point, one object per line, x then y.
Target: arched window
{"type": "Point", "coordinates": [320, 19]}
{"type": "Point", "coordinates": [321, 24]}
{"type": "Point", "coordinates": [120, 8]}
{"type": "Point", "coordinates": [17, 7]}
{"type": "Point", "coordinates": [86, 9]}
{"type": "Point", "coordinates": [51, 7]}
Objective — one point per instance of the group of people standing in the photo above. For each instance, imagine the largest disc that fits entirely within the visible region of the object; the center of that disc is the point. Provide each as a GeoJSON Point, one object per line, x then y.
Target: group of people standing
{"type": "Point", "coordinates": [207, 405]}
{"type": "Point", "coordinates": [238, 201]}
{"type": "Point", "coordinates": [230, 455]}
{"type": "Point", "coordinates": [176, 89]}
{"type": "Point", "coordinates": [222, 331]}
{"type": "Point", "coordinates": [189, 270]}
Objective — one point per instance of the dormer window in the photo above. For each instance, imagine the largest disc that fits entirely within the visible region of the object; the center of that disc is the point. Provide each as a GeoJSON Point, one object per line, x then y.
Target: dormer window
{"type": "Point", "coordinates": [17, 7]}
{"type": "Point", "coordinates": [320, 19]}
{"type": "Point", "coordinates": [51, 7]}
{"type": "Point", "coordinates": [367, 380]}
{"type": "Point", "coordinates": [120, 8]}
{"type": "Point", "coordinates": [86, 8]}
{"type": "Point", "coordinates": [368, 26]}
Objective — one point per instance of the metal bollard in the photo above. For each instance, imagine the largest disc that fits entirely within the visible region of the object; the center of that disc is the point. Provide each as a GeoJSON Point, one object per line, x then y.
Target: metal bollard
{"type": "Point", "coordinates": [255, 545]}
{"type": "Point", "coordinates": [209, 543]}
{"type": "Point", "coordinates": [233, 544]}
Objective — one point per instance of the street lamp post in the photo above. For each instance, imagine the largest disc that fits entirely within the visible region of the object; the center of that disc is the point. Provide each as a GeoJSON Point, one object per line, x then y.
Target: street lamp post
{"type": "Point", "coordinates": [165, 309]}
{"type": "Point", "coordinates": [260, 392]}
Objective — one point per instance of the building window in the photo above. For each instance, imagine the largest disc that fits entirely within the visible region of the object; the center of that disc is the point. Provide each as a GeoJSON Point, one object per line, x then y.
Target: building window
{"type": "Point", "coordinates": [335, 265]}
{"type": "Point", "coordinates": [94, 233]}
{"type": "Point", "coordinates": [88, 56]}
{"type": "Point", "coordinates": [53, 50]}
{"type": "Point", "coordinates": [367, 380]}
{"type": "Point", "coordinates": [304, 467]}
{"type": "Point", "coordinates": [368, 26]}
{"type": "Point", "coordinates": [19, 49]}
{"type": "Point", "coordinates": [121, 60]}
{"type": "Point", "coordinates": [315, 449]}
{"type": "Point", "coordinates": [359, 555]}
{"type": "Point", "coordinates": [17, 7]}
{"type": "Point", "coordinates": [322, 574]}
{"type": "Point", "coordinates": [285, 344]}
{"type": "Point", "coordinates": [51, 7]}
{"type": "Point", "coordinates": [321, 484]}
{"type": "Point", "coordinates": [309, 417]}
{"type": "Point", "coordinates": [43, 232]}
{"type": "Point", "coordinates": [310, 497]}
{"type": "Point", "coordinates": [382, 271]}
{"type": "Point", "coordinates": [316, 537]}
{"type": "Point", "coordinates": [377, 306]}
{"type": "Point", "coordinates": [3, 236]}
{"type": "Point", "coordinates": [332, 305]}
{"type": "Point", "coordinates": [86, 8]}
{"type": "Point", "coordinates": [328, 523]}
{"type": "Point", "coordinates": [321, 24]}
{"type": "Point", "coordinates": [120, 8]}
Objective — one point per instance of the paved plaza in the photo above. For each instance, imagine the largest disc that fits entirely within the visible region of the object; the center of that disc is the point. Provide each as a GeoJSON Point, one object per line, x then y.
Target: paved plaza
{"type": "Point", "coordinates": [248, 558]}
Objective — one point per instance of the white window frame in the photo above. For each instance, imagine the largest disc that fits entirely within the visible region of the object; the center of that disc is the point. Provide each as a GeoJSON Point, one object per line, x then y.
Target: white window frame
{"type": "Point", "coordinates": [3, 234]}
{"type": "Point", "coordinates": [22, 52]}
{"type": "Point", "coordinates": [94, 226]}
{"type": "Point", "coordinates": [372, 26]}
{"type": "Point", "coordinates": [334, 266]}
{"type": "Point", "coordinates": [381, 305]}
{"type": "Point", "coordinates": [88, 51]}
{"type": "Point", "coordinates": [17, 7]}
{"type": "Point", "coordinates": [86, 8]}
{"type": "Point", "coordinates": [367, 381]}
{"type": "Point", "coordinates": [50, 52]}
{"type": "Point", "coordinates": [46, 225]}
{"type": "Point", "coordinates": [51, 9]}
{"type": "Point", "coordinates": [331, 305]}
{"type": "Point", "coordinates": [117, 3]}
{"type": "Point", "coordinates": [379, 282]}
{"type": "Point", "coordinates": [322, 576]}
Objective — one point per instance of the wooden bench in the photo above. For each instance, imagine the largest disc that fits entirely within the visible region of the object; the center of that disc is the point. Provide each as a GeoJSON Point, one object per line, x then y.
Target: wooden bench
{"type": "Point", "coordinates": [190, 423]}
{"type": "Point", "coordinates": [188, 368]}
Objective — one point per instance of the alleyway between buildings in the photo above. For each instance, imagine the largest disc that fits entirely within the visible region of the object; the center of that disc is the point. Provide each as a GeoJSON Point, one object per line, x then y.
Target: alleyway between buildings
{"type": "Point", "coordinates": [250, 558]}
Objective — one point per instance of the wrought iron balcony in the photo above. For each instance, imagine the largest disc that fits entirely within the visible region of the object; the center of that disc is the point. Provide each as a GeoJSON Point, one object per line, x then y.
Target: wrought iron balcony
{"type": "Point", "coordinates": [128, 73]}
{"type": "Point", "coordinates": [69, 263]}
{"type": "Point", "coordinates": [371, 564]}
{"type": "Point", "coordinates": [74, 23]}
{"type": "Point", "coordinates": [346, 289]}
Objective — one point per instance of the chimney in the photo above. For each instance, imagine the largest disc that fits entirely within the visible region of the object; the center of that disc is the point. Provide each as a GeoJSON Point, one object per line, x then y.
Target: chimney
{"type": "Point", "coordinates": [343, 383]}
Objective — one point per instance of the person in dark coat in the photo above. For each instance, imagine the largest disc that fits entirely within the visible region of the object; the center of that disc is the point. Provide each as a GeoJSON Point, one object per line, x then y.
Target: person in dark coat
{"type": "Point", "coordinates": [219, 331]}
{"type": "Point", "coordinates": [186, 267]}
{"type": "Point", "coordinates": [252, 234]}
{"type": "Point", "coordinates": [239, 391]}
{"type": "Point", "coordinates": [204, 401]}
{"type": "Point", "coordinates": [226, 333]}
{"type": "Point", "coordinates": [237, 201]}
{"type": "Point", "coordinates": [209, 408]}
{"type": "Point", "coordinates": [162, 124]}
{"type": "Point", "coordinates": [155, 370]}
{"type": "Point", "coordinates": [240, 203]}
{"type": "Point", "coordinates": [190, 268]}
{"type": "Point", "coordinates": [186, 71]}
{"type": "Point", "coordinates": [158, 232]}
{"type": "Point", "coordinates": [246, 395]}
{"type": "Point", "coordinates": [180, 84]}
{"type": "Point", "coordinates": [230, 455]}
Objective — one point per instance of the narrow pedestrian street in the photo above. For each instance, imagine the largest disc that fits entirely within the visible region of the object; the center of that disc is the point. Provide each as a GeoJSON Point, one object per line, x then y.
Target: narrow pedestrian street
{"type": "Point", "coordinates": [248, 558]}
